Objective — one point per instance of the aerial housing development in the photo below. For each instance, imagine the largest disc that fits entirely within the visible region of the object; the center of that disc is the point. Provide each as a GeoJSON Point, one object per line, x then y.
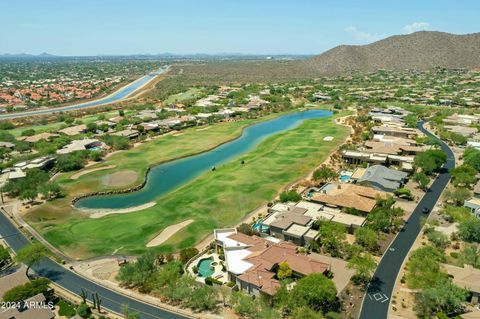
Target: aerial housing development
{"type": "Point", "coordinates": [334, 185]}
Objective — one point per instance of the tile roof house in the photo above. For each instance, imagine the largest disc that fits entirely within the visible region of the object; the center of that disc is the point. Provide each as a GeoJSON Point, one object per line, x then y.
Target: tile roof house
{"type": "Point", "coordinates": [74, 130]}
{"type": "Point", "coordinates": [382, 178]}
{"type": "Point", "coordinates": [80, 145]}
{"type": "Point", "coordinates": [12, 280]}
{"type": "Point", "coordinates": [462, 130]}
{"type": "Point", "coordinates": [466, 277]}
{"type": "Point", "coordinates": [35, 307]}
{"type": "Point", "coordinates": [251, 261]}
{"type": "Point", "coordinates": [391, 148]}
{"type": "Point", "coordinates": [37, 137]}
{"type": "Point", "coordinates": [345, 195]}
{"type": "Point", "coordinates": [130, 133]}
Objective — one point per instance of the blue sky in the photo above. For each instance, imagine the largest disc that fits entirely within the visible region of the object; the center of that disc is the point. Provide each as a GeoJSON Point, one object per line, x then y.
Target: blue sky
{"type": "Point", "coordinates": [90, 27]}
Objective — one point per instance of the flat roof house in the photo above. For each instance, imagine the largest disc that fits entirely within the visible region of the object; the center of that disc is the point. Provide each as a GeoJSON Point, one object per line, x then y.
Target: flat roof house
{"type": "Point", "coordinates": [290, 225]}
{"type": "Point", "coordinates": [292, 221]}
{"type": "Point", "coordinates": [382, 178]}
{"type": "Point", "coordinates": [357, 157]}
{"type": "Point", "coordinates": [404, 132]}
{"type": "Point", "coordinates": [474, 205]}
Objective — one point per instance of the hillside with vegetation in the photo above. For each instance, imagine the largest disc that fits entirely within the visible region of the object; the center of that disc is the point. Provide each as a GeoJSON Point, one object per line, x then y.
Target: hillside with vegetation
{"type": "Point", "coordinates": [419, 50]}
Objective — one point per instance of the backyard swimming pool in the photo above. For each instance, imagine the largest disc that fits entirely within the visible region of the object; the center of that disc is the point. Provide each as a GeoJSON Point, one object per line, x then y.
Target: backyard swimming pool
{"type": "Point", "coordinates": [258, 226]}
{"type": "Point", "coordinates": [205, 268]}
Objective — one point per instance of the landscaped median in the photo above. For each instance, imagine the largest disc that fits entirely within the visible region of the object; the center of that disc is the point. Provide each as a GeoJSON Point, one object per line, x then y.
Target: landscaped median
{"type": "Point", "coordinates": [215, 199]}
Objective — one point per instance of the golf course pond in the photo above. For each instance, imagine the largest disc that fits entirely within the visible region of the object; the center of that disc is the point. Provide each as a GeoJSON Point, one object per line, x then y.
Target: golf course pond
{"type": "Point", "coordinates": [166, 177]}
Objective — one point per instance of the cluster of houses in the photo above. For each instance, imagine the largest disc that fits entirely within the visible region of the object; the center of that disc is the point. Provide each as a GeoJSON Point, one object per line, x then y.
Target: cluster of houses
{"type": "Point", "coordinates": [391, 143]}
{"type": "Point", "coordinates": [19, 170]}
{"type": "Point", "coordinates": [404, 87]}
{"type": "Point", "coordinates": [144, 121]}
{"type": "Point", "coordinates": [462, 124]}
{"type": "Point", "coordinates": [251, 261]}
{"type": "Point", "coordinates": [15, 93]}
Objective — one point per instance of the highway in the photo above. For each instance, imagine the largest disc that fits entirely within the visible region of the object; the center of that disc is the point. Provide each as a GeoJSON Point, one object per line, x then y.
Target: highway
{"type": "Point", "coordinates": [379, 292]}
{"type": "Point", "coordinates": [74, 283]}
{"type": "Point", "coordinates": [114, 97]}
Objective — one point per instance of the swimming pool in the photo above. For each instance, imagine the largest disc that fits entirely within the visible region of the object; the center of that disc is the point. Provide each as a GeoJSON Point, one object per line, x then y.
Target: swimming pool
{"type": "Point", "coordinates": [205, 268]}
{"type": "Point", "coordinates": [344, 178]}
{"type": "Point", "coordinates": [258, 226]}
{"type": "Point", "coordinates": [310, 193]}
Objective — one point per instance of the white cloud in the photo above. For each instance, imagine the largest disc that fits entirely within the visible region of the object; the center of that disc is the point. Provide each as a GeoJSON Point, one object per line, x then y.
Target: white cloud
{"type": "Point", "coordinates": [360, 35]}
{"type": "Point", "coordinates": [416, 26]}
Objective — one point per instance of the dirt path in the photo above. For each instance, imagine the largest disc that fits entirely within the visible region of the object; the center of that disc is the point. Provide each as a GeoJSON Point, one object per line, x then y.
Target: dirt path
{"type": "Point", "coordinates": [87, 171]}
{"type": "Point", "coordinates": [168, 232]}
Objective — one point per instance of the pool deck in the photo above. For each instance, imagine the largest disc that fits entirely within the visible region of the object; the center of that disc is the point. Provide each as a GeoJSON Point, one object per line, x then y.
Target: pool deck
{"type": "Point", "coordinates": [217, 273]}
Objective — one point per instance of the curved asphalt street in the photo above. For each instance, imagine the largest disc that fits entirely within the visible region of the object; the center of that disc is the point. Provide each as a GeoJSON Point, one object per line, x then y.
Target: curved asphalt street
{"type": "Point", "coordinates": [74, 283]}
{"type": "Point", "coordinates": [377, 298]}
{"type": "Point", "coordinates": [116, 96]}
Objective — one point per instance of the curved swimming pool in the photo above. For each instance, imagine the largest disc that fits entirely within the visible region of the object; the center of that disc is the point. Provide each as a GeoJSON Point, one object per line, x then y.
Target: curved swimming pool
{"type": "Point", "coordinates": [166, 177]}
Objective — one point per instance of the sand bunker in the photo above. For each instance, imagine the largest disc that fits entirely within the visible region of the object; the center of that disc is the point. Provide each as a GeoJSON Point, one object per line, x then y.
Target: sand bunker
{"type": "Point", "coordinates": [121, 178]}
{"type": "Point", "coordinates": [91, 170]}
{"type": "Point", "coordinates": [168, 232]}
{"type": "Point", "coordinates": [97, 213]}
{"type": "Point", "coordinates": [178, 134]}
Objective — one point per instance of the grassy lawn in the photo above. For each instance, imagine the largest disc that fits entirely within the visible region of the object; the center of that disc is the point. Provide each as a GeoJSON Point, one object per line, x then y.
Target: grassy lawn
{"type": "Point", "coordinates": [178, 98]}
{"type": "Point", "coordinates": [214, 199]}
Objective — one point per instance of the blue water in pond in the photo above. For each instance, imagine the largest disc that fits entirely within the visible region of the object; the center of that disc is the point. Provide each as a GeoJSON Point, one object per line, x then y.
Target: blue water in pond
{"type": "Point", "coordinates": [166, 177]}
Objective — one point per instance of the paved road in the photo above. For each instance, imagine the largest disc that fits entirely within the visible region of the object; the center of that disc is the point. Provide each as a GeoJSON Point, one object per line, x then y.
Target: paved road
{"type": "Point", "coordinates": [74, 283]}
{"type": "Point", "coordinates": [116, 96]}
{"type": "Point", "coordinates": [377, 299]}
